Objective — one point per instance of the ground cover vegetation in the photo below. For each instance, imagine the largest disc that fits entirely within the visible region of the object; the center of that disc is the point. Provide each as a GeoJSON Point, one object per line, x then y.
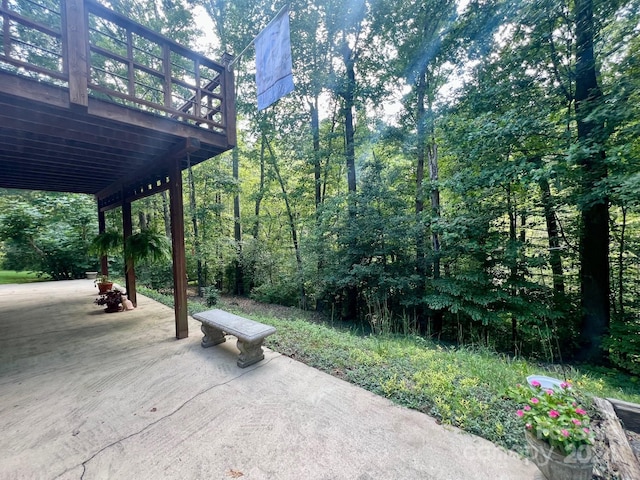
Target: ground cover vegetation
{"type": "Point", "coordinates": [464, 171]}
{"type": "Point", "coordinates": [11, 276]}
{"type": "Point", "coordinates": [469, 387]}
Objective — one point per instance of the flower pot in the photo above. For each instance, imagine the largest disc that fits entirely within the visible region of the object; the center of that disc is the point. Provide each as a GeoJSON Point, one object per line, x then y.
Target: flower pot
{"type": "Point", "coordinates": [91, 275]}
{"type": "Point", "coordinates": [104, 287]}
{"type": "Point", "coordinates": [554, 465]}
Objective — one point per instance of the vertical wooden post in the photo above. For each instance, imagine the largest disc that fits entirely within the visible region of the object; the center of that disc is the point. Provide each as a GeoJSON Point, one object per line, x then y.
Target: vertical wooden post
{"type": "Point", "coordinates": [102, 226]}
{"type": "Point", "coordinates": [166, 67]}
{"type": "Point", "coordinates": [228, 88]}
{"type": "Point", "coordinates": [129, 269]}
{"type": "Point", "coordinates": [177, 241]}
{"type": "Point", "coordinates": [76, 54]}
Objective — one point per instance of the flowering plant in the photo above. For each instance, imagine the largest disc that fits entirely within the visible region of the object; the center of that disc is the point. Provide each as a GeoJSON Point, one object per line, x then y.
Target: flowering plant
{"type": "Point", "coordinates": [554, 416]}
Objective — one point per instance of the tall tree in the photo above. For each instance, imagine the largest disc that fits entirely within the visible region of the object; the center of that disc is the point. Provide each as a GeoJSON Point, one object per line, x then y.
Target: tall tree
{"type": "Point", "coordinates": [594, 206]}
{"type": "Point", "coordinates": [418, 34]}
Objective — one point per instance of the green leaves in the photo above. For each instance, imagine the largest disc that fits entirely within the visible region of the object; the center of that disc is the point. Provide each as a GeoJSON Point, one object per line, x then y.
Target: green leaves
{"type": "Point", "coordinates": [47, 232]}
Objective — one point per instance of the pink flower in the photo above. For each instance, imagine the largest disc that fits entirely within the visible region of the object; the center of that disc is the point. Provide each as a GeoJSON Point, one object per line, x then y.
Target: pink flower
{"type": "Point", "coordinates": [576, 421]}
{"type": "Point", "coordinates": [527, 408]}
{"type": "Point", "coordinates": [554, 413]}
{"type": "Point", "coordinates": [535, 383]}
{"type": "Point", "coordinates": [580, 411]}
{"type": "Point", "coordinates": [549, 391]}
{"type": "Point", "coordinates": [534, 400]}
{"type": "Point", "coordinates": [528, 426]}
{"type": "Point", "coordinates": [585, 430]}
{"type": "Point", "coordinates": [520, 413]}
{"type": "Point", "coordinates": [565, 432]}
{"type": "Point", "coordinates": [565, 385]}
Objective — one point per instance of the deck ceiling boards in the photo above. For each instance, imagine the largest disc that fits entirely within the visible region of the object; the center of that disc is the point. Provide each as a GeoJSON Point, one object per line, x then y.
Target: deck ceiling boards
{"type": "Point", "coordinates": [46, 144]}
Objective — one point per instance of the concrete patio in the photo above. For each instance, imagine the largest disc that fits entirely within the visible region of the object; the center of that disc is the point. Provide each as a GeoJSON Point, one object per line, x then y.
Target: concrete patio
{"type": "Point", "coordinates": [88, 395]}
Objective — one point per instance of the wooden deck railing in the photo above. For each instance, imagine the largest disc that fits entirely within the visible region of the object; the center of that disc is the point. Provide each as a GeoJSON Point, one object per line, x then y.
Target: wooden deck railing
{"type": "Point", "coordinates": [95, 52]}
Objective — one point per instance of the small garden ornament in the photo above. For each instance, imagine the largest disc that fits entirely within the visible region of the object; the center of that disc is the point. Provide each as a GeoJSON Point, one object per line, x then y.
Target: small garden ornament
{"type": "Point", "coordinates": [126, 303]}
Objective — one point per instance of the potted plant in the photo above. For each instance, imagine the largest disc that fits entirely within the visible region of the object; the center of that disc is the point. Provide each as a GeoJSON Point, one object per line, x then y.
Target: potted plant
{"type": "Point", "coordinates": [105, 243]}
{"type": "Point", "coordinates": [111, 299]}
{"type": "Point", "coordinates": [103, 283]}
{"type": "Point", "coordinates": [557, 429]}
{"type": "Point", "coordinates": [147, 244]}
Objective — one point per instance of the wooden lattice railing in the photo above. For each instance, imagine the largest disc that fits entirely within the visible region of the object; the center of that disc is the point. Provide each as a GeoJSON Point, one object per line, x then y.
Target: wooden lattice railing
{"type": "Point", "coordinates": [92, 51]}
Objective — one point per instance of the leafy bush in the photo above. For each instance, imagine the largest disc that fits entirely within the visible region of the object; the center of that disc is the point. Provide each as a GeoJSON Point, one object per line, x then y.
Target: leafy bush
{"type": "Point", "coordinates": [282, 292]}
{"type": "Point", "coordinates": [211, 296]}
{"type": "Point", "coordinates": [158, 277]}
{"type": "Point", "coordinates": [49, 234]}
{"type": "Point", "coordinates": [624, 345]}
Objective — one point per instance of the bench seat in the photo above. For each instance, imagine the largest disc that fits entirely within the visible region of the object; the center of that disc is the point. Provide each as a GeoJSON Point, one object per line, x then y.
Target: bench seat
{"type": "Point", "coordinates": [250, 334]}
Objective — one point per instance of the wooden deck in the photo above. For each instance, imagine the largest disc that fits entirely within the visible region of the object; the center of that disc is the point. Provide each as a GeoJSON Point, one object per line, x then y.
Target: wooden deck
{"type": "Point", "coordinates": [91, 102]}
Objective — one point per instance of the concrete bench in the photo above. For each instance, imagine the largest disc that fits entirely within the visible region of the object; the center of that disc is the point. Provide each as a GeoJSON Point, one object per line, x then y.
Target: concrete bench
{"type": "Point", "coordinates": [250, 334]}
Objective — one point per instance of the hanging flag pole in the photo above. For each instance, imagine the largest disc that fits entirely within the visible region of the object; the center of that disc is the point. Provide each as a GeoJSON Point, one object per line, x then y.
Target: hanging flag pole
{"type": "Point", "coordinates": [254, 38]}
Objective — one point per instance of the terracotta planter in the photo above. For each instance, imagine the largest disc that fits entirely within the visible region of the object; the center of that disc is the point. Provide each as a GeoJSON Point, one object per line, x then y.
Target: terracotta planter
{"type": "Point", "coordinates": [104, 287]}
{"type": "Point", "coordinates": [557, 466]}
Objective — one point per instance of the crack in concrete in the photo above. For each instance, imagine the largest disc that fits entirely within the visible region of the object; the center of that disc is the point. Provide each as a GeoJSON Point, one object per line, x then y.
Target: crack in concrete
{"type": "Point", "coordinates": [169, 415]}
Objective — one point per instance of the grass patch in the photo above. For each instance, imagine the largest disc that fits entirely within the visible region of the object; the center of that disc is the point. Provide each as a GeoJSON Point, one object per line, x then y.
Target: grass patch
{"type": "Point", "coordinates": [10, 276]}
{"type": "Point", "coordinates": [464, 387]}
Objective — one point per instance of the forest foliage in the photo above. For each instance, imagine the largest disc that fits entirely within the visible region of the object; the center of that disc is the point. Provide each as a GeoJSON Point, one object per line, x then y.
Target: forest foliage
{"type": "Point", "coordinates": [465, 170]}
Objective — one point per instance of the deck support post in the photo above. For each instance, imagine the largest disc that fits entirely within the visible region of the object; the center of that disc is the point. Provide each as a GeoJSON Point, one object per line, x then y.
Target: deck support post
{"type": "Point", "coordinates": [102, 226]}
{"type": "Point", "coordinates": [177, 241]}
{"type": "Point", "coordinates": [129, 268]}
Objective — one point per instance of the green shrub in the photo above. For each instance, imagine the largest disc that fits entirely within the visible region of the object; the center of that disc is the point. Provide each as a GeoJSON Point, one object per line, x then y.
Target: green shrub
{"type": "Point", "coordinates": [624, 345]}
{"type": "Point", "coordinates": [211, 296]}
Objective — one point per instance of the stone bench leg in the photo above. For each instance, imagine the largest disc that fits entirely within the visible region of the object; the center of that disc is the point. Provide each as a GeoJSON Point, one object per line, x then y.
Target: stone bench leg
{"type": "Point", "coordinates": [212, 336]}
{"type": "Point", "coordinates": [250, 353]}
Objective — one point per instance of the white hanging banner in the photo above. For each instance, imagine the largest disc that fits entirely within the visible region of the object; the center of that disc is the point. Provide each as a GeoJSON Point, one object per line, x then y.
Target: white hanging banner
{"type": "Point", "coordinates": [274, 77]}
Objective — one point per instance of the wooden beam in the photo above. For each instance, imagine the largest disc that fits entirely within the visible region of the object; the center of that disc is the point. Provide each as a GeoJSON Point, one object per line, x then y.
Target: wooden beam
{"type": "Point", "coordinates": [179, 260]}
{"type": "Point", "coordinates": [164, 161]}
{"type": "Point", "coordinates": [621, 459]}
{"type": "Point", "coordinates": [129, 269]}
{"type": "Point", "coordinates": [629, 413]}
{"type": "Point", "coordinates": [77, 66]}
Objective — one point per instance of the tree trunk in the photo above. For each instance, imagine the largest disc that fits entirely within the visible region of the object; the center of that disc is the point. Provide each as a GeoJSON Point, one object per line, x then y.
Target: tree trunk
{"type": "Point", "coordinates": [594, 235]}
{"type": "Point", "coordinates": [513, 269]}
{"type": "Point", "coordinates": [621, 263]}
{"type": "Point", "coordinates": [553, 236]}
{"type": "Point", "coordinates": [349, 133]}
{"type": "Point", "coordinates": [421, 261]}
{"type": "Point", "coordinates": [292, 226]}
{"type": "Point", "coordinates": [237, 231]}
{"type": "Point", "coordinates": [260, 195]}
{"type": "Point", "coordinates": [317, 167]}
{"type": "Point", "coordinates": [432, 153]}
{"type": "Point", "coordinates": [349, 130]}
{"type": "Point", "coordinates": [194, 222]}
{"type": "Point", "coordinates": [142, 220]}
{"type": "Point", "coordinates": [319, 189]}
